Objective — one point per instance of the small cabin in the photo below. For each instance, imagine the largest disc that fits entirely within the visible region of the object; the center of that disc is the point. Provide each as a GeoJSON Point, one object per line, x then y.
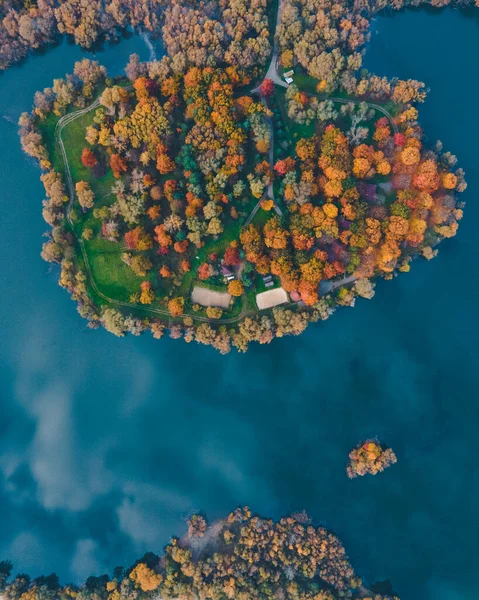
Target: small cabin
{"type": "Point", "coordinates": [227, 274]}
{"type": "Point", "coordinates": [268, 281]}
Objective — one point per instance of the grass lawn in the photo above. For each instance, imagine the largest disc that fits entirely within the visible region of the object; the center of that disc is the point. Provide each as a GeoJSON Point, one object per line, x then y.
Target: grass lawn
{"type": "Point", "coordinates": [73, 136]}
{"type": "Point", "coordinates": [47, 127]}
{"type": "Point", "coordinates": [262, 216]}
{"type": "Point", "coordinates": [259, 285]}
{"type": "Point", "coordinates": [113, 277]}
{"type": "Point", "coordinates": [231, 232]}
{"type": "Point", "coordinates": [251, 307]}
{"type": "Point", "coordinates": [305, 83]}
{"type": "Point", "coordinates": [102, 246]}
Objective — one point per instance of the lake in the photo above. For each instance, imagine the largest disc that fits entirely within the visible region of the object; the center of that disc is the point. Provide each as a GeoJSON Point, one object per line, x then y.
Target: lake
{"type": "Point", "coordinates": [107, 444]}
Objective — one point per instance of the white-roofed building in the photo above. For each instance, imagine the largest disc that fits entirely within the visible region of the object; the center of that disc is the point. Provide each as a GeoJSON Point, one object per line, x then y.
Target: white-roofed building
{"type": "Point", "coordinates": [271, 298]}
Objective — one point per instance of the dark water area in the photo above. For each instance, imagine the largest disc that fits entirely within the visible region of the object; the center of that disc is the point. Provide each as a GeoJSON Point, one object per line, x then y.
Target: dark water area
{"type": "Point", "coordinates": [106, 444]}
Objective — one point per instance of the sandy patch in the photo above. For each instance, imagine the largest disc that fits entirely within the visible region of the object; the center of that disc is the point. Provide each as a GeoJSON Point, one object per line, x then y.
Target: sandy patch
{"type": "Point", "coordinates": [207, 297]}
{"type": "Point", "coordinates": [271, 298]}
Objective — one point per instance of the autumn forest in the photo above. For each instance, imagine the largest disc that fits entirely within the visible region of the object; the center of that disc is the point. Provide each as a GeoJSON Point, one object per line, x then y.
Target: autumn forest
{"type": "Point", "coordinates": [252, 180]}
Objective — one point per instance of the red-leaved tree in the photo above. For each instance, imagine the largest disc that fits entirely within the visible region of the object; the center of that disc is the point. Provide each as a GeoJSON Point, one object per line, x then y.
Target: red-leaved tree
{"type": "Point", "coordinates": [232, 257]}
{"type": "Point", "coordinates": [267, 88]}
{"type": "Point", "coordinates": [88, 158]}
{"type": "Point", "coordinates": [118, 165]}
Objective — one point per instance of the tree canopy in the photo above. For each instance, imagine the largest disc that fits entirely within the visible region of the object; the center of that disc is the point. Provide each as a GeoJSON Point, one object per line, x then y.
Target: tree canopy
{"type": "Point", "coordinates": [242, 556]}
{"type": "Point", "coordinates": [193, 186]}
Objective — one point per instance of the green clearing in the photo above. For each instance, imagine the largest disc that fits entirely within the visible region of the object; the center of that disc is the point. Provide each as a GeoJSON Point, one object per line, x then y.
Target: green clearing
{"type": "Point", "coordinates": [231, 233]}
{"type": "Point", "coordinates": [113, 277]}
{"type": "Point", "coordinates": [213, 246]}
{"type": "Point", "coordinates": [73, 136]}
{"type": "Point", "coordinates": [308, 84]}
{"type": "Point", "coordinates": [260, 286]}
{"type": "Point", "coordinates": [102, 246]}
{"type": "Point", "coordinates": [305, 82]}
{"type": "Point", "coordinates": [262, 216]}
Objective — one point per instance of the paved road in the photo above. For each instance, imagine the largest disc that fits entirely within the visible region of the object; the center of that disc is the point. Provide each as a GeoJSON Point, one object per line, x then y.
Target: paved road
{"type": "Point", "coordinates": [325, 287]}
{"type": "Point", "coordinates": [272, 72]}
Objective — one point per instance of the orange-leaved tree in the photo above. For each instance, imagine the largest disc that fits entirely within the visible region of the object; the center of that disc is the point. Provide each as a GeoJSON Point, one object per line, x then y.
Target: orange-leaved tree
{"type": "Point", "coordinates": [145, 578]}
{"type": "Point", "coordinates": [176, 306]}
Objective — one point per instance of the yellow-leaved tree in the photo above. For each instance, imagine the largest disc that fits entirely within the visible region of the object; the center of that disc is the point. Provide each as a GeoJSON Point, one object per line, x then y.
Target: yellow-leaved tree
{"type": "Point", "coordinates": [145, 577]}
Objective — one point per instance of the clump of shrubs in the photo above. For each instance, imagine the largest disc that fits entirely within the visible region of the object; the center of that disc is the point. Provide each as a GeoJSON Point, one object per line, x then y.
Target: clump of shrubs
{"type": "Point", "coordinates": [196, 526]}
{"type": "Point", "coordinates": [369, 457]}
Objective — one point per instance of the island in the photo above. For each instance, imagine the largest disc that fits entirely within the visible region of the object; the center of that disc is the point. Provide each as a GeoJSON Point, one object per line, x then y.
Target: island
{"type": "Point", "coordinates": [235, 191]}
{"type": "Point", "coordinates": [370, 457]}
{"type": "Point", "coordinates": [241, 557]}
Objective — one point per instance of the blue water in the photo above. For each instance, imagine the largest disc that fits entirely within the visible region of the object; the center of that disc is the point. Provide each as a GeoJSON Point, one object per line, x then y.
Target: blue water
{"type": "Point", "coordinates": [107, 444]}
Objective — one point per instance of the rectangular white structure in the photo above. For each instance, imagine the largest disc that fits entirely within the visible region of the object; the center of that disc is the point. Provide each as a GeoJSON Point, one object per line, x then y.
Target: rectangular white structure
{"type": "Point", "coordinates": [271, 298]}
